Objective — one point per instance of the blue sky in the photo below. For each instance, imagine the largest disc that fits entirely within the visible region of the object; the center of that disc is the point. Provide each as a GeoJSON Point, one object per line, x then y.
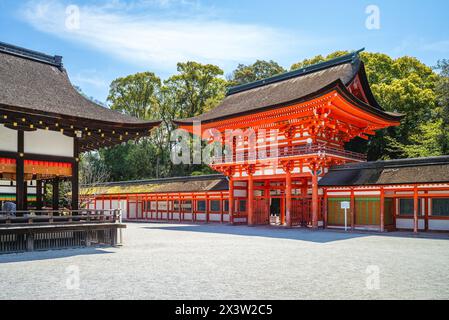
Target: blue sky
{"type": "Point", "coordinates": [101, 40]}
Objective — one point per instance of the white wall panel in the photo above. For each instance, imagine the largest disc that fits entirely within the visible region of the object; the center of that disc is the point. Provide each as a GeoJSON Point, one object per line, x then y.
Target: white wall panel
{"type": "Point", "coordinates": [48, 142]}
{"type": "Point", "coordinates": [439, 225]}
{"type": "Point", "coordinates": [408, 224]}
{"type": "Point", "coordinates": [8, 139]}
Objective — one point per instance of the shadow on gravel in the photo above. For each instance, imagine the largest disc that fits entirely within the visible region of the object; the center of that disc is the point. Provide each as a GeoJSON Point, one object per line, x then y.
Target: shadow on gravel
{"type": "Point", "coordinates": [301, 234]}
{"type": "Point", "coordinates": [319, 236]}
{"type": "Point", "coordinates": [52, 254]}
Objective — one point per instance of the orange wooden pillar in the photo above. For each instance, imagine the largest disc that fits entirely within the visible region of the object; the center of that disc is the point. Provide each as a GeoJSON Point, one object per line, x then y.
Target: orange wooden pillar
{"type": "Point", "coordinates": [382, 209]}
{"type": "Point", "coordinates": [415, 209]}
{"type": "Point", "coordinates": [325, 208]}
{"type": "Point", "coordinates": [314, 199]}
{"type": "Point", "coordinates": [426, 212]}
{"type": "Point", "coordinates": [250, 199]}
{"type": "Point", "coordinates": [352, 209]}
{"type": "Point", "coordinates": [288, 198]}
{"type": "Point", "coordinates": [231, 200]}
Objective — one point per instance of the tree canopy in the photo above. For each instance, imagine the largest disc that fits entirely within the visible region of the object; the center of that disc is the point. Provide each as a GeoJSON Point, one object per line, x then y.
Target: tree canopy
{"type": "Point", "coordinates": [259, 70]}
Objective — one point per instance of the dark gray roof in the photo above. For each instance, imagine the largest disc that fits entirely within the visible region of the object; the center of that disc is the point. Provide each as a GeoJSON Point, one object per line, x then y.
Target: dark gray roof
{"type": "Point", "coordinates": [404, 171]}
{"type": "Point", "coordinates": [291, 87]}
{"type": "Point", "coordinates": [37, 82]}
{"type": "Point", "coordinates": [203, 183]}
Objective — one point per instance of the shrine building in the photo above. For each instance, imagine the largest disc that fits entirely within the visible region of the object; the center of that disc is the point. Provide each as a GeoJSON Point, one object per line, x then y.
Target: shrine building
{"type": "Point", "coordinates": [298, 172]}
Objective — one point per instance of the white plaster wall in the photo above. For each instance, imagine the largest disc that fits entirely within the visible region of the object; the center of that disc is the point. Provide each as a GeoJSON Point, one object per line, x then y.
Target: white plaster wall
{"type": "Point", "coordinates": [439, 225]}
{"type": "Point", "coordinates": [402, 223]}
{"type": "Point", "coordinates": [215, 217]}
{"type": "Point", "coordinates": [8, 139]}
{"type": "Point", "coordinates": [239, 193]}
{"type": "Point", "coordinates": [47, 142]}
{"type": "Point", "coordinates": [4, 189]}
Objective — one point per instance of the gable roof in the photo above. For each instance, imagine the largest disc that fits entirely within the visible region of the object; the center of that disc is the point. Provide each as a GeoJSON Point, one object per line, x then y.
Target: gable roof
{"type": "Point", "coordinates": [34, 83]}
{"type": "Point", "coordinates": [403, 171]}
{"type": "Point", "coordinates": [291, 87]}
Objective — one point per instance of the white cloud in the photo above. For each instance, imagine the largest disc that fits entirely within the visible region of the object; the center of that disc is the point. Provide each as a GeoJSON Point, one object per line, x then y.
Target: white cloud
{"type": "Point", "coordinates": [438, 46]}
{"type": "Point", "coordinates": [160, 33]}
{"type": "Point", "coordinates": [89, 77]}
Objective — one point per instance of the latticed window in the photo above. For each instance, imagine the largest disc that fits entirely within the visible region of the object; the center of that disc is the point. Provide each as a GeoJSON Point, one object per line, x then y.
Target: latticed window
{"type": "Point", "coordinates": [440, 207]}
{"type": "Point", "coordinates": [201, 205]}
{"type": "Point", "coordinates": [215, 205]}
{"type": "Point", "coordinates": [406, 207]}
{"type": "Point", "coordinates": [226, 205]}
{"type": "Point", "coordinates": [242, 206]}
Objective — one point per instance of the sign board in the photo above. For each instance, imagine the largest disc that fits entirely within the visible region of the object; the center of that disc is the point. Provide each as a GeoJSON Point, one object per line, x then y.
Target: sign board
{"type": "Point", "coordinates": [346, 205]}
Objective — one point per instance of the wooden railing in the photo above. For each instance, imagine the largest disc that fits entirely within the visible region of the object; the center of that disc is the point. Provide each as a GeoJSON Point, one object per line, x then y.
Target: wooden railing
{"type": "Point", "coordinates": [60, 217]}
{"type": "Point", "coordinates": [292, 151]}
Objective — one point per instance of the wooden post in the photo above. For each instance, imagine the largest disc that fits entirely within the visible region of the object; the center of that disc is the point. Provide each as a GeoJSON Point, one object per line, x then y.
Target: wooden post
{"type": "Point", "coordinates": [426, 212]}
{"type": "Point", "coordinates": [352, 209]}
{"type": "Point", "coordinates": [231, 200]}
{"type": "Point", "coordinates": [157, 208]}
{"type": "Point", "coordinates": [30, 241]}
{"type": "Point", "coordinates": [20, 173]}
{"type": "Point", "coordinates": [75, 176]}
{"type": "Point", "coordinates": [207, 209]}
{"type": "Point", "coordinates": [250, 199]}
{"type": "Point", "coordinates": [415, 209]}
{"type": "Point", "coordinates": [39, 202]}
{"type": "Point", "coordinates": [314, 199]}
{"type": "Point", "coordinates": [25, 198]}
{"type": "Point", "coordinates": [325, 208]}
{"type": "Point", "coordinates": [55, 202]}
{"type": "Point", "coordinates": [382, 209]}
{"type": "Point", "coordinates": [288, 198]}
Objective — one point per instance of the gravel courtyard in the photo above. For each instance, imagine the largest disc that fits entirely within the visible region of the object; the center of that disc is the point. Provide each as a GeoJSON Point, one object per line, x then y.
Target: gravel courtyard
{"type": "Point", "coordinates": [167, 261]}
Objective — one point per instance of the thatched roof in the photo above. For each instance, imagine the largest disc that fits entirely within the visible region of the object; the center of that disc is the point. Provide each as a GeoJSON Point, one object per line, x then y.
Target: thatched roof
{"type": "Point", "coordinates": [292, 87]}
{"type": "Point", "coordinates": [169, 185]}
{"type": "Point", "coordinates": [404, 171]}
{"type": "Point", "coordinates": [34, 84]}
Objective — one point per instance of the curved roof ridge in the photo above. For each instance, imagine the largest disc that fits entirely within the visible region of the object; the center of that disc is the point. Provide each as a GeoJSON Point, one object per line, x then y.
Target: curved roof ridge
{"type": "Point", "coordinates": [31, 54]}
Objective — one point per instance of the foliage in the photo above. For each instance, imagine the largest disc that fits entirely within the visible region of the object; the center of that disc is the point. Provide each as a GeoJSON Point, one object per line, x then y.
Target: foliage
{"type": "Point", "coordinates": [195, 89]}
{"type": "Point", "coordinates": [257, 71]}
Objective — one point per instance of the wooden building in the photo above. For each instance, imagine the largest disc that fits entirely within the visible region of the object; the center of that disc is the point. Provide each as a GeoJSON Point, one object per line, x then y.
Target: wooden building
{"type": "Point", "coordinates": [44, 125]}
{"type": "Point", "coordinates": [305, 117]}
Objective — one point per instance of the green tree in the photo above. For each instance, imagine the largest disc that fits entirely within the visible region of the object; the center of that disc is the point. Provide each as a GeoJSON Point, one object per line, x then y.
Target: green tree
{"type": "Point", "coordinates": [137, 95]}
{"type": "Point", "coordinates": [259, 70]}
{"type": "Point", "coordinates": [317, 59]}
{"type": "Point", "coordinates": [442, 92]}
{"type": "Point", "coordinates": [196, 88]}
